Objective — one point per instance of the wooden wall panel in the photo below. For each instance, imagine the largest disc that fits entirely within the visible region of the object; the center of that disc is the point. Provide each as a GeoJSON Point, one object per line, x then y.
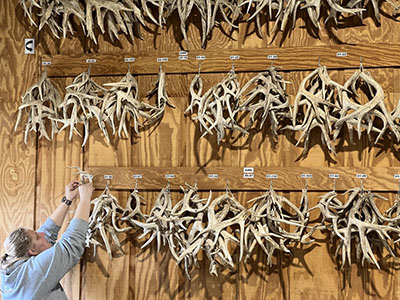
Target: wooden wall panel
{"type": "Point", "coordinates": [110, 282]}
{"type": "Point", "coordinates": [17, 160]}
{"type": "Point", "coordinates": [175, 142]}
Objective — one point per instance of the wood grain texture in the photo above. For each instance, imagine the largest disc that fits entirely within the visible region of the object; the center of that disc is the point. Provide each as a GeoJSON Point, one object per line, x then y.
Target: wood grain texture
{"type": "Point", "coordinates": [104, 278]}
{"type": "Point", "coordinates": [52, 175]}
{"type": "Point", "coordinates": [289, 58]}
{"type": "Point", "coordinates": [17, 161]}
{"type": "Point", "coordinates": [378, 178]}
{"type": "Point", "coordinates": [37, 176]}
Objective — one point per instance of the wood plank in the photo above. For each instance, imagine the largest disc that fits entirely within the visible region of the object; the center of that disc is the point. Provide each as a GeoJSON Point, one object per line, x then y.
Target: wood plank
{"type": "Point", "coordinates": [17, 160]}
{"type": "Point", "coordinates": [96, 285]}
{"type": "Point", "coordinates": [219, 60]}
{"type": "Point", "coordinates": [312, 273]}
{"type": "Point", "coordinates": [378, 178]}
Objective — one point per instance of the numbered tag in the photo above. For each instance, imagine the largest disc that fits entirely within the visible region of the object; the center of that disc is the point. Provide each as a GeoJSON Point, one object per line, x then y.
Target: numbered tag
{"type": "Point", "coordinates": [162, 59]}
{"type": "Point", "coordinates": [137, 176]}
{"type": "Point", "coordinates": [307, 176]}
{"type": "Point", "coordinates": [341, 54]}
{"type": "Point", "coordinates": [213, 176]}
{"type": "Point", "coordinates": [396, 176]}
{"type": "Point", "coordinates": [334, 176]}
{"type": "Point", "coordinates": [271, 176]}
{"type": "Point", "coordinates": [169, 176]}
{"type": "Point", "coordinates": [235, 57]}
{"type": "Point", "coordinates": [248, 170]}
{"type": "Point", "coordinates": [108, 177]}
{"type": "Point", "coordinates": [200, 57]}
{"type": "Point", "coordinates": [183, 53]}
{"type": "Point", "coordinates": [362, 176]}
{"type": "Point", "coordinates": [248, 175]}
{"type": "Point", "coordinates": [129, 59]}
{"type": "Point", "coordinates": [182, 57]}
{"type": "Point", "coordinates": [46, 63]}
{"type": "Point", "coordinates": [272, 56]}
{"type": "Point", "coordinates": [90, 60]}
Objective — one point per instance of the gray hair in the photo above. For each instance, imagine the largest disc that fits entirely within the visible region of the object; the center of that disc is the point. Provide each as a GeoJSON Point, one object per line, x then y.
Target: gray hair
{"type": "Point", "coordinates": [16, 247]}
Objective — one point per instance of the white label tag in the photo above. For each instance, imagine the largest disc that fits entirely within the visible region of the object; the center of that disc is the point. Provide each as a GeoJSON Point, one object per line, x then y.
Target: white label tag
{"type": "Point", "coordinates": [108, 177]}
{"type": "Point", "coordinates": [396, 176]}
{"type": "Point", "coordinates": [183, 53]}
{"type": "Point", "coordinates": [235, 57]}
{"type": "Point", "coordinates": [213, 176]}
{"type": "Point", "coordinates": [137, 176]}
{"type": "Point", "coordinates": [271, 176]}
{"type": "Point", "coordinates": [29, 46]}
{"type": "Point", "coordinates": [162, 59]}
{"type": "Point", "coordinates": [248, 175]}
{"type": "Point", "coordinates": [362, 176]}
{"type": "Point", "coordinates": [248, 170]}
{"type": "Point", "coordinates": [333, 176]}
{"type": "Point", "coordinates": [169, 176]}
{"type": "Point", "coordinates": [272, 56]}
{"type": "Point", "coordinates": [341, 54]}
{"type": "Point", "coordinates": [129, 59]}
{"type": "Point", "coordinates": [90, 60]}
{"type": "Point", "coordinates": [183, 57]}
{"type": "Point", "coordinates": [306, 175]}
{"type": "Point", "coordinates": [200, 57]}
{"type": "Point", "coordinates": [46, 63]}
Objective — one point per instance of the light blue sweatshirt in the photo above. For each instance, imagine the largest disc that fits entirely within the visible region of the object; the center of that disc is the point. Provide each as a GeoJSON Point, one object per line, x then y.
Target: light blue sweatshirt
{"type": "Point", "coordinates": [38, 278]}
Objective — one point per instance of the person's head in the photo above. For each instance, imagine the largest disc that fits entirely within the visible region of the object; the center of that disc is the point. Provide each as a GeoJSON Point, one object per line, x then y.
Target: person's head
{"type": "Point", "coordinates": [21, 244]}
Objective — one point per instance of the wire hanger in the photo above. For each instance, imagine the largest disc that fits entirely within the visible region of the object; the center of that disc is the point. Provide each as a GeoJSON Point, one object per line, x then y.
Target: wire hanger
{"type": "Point", "coordinates": [136, 189]}
{"type": "Point", "coordinates": [228, 190]}
{"type": "Point", "coordinates": [361, 65]}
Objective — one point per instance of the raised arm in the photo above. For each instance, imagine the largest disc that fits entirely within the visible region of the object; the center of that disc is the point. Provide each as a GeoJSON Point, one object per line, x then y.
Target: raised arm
{"type": "Point", "coordinates": [71, 191]}
{"type": "Point", "coordinates": [56, 261]}
{"type": "Point", "coordinates": [83, 209]}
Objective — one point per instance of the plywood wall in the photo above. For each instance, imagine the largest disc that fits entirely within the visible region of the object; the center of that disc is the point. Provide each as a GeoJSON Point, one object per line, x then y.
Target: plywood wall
{"type": "Point", "coordinates": [34, 175]}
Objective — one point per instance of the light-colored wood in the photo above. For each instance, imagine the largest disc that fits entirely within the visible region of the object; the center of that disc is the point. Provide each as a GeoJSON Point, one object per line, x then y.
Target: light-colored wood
{"type": "Point", "coordinates": [34, 176]}
{"type": "Point", "coordinates": [218, 60]}
{"type": "Point", "coordinates": [17, 160]}
{"type": "Point", "coordinates": [378, 178]}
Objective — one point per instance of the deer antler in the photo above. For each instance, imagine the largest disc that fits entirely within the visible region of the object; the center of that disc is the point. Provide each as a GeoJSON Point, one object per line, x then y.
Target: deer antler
{"type": "Point", "coordinates": [103, 221]}
{"type": "Point", "coordinates": [122, 101]}
{"type": "Point", "coordinates": [161, 98]}
{"type": "Point", "coordinates": [315, 107]}
{"type": "Point", "coordinates": [358, 116]}
{"type": "Point", "coordinates": [40, 102]}
{"type": "Point", "coordinates": [81, 103]}
{"type": "Point", "coordinates": [268, 214]}
{"type": "Point", "coordinates": [218, 101]}
{"type": "Point", "coordinates": [267, 99]}
{"type": "Point", "coordinates": [358, 220]}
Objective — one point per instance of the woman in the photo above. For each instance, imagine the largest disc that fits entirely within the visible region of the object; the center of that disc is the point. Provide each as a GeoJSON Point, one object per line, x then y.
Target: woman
{"type": "Point", "coordinates": [34, 263]}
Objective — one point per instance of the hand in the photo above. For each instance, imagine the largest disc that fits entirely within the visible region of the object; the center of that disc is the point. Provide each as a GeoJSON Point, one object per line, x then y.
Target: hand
{"type": "Point", "coordinates": [71, 190]}
{"type": "Point", "coordinates": [86, 191]}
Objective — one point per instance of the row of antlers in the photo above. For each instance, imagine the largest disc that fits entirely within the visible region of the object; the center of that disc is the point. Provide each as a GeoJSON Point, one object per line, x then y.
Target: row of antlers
{"type": "Point", "coordinates": [85, 100]}
{"type": "Point", "coordinates": [128, 16]}
{"type": "Point", "coordinates": [227, 231]}
{"type": "Point", "coordinates": [320, 103]}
